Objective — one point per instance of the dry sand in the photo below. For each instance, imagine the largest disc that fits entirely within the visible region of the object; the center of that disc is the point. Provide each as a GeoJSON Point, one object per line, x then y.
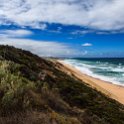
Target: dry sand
{"type": "Point", "coordinates": [114, 91]}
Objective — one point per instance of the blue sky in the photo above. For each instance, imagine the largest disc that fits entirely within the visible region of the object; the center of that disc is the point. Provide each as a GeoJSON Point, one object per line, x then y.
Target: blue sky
{"type": "Point", "coordinates": [64, 28]}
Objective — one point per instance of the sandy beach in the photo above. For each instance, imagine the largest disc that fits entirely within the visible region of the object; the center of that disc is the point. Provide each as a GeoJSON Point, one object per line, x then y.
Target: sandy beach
{"type": "Point", "coordinates": [114, 91]}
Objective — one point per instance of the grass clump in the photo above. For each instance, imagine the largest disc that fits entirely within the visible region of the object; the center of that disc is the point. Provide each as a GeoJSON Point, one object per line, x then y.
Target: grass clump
{"type": "Point", "coordinates": [13, 88]}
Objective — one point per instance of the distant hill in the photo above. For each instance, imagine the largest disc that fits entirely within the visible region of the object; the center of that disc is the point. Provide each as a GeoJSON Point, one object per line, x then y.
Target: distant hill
{"type": "Point", "coordinates": [34, 90]}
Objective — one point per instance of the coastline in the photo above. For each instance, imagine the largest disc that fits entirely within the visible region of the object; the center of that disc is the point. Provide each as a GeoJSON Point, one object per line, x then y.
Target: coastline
{"type": "Point", "coordinates": [113, 91]}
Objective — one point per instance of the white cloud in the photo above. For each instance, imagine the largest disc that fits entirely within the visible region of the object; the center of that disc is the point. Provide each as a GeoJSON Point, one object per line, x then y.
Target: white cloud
{"type": "Point", "coordinates": [15, 33]}
{"type": "Point", "coordinates": [98, 14]}
{"type": "Point", "coordinates": [86, 44]}
{"type": "Point", "coordinates": [81, 32]}
{"type": "Point", "coordinates": [42, 48]}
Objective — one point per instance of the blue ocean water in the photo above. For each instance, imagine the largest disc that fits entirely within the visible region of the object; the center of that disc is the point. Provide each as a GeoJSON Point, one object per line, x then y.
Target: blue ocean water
{"type": "Point", "coordinates": [107, 69]}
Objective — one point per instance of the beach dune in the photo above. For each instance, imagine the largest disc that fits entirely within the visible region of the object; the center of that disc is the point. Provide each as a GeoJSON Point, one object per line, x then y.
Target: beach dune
{"type": "Point", "coordinates": [113, 91]}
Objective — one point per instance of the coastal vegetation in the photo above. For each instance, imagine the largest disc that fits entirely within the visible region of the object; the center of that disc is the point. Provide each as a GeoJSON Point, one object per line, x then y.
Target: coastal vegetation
{"type": "Point", "coordinates": [33, 90]}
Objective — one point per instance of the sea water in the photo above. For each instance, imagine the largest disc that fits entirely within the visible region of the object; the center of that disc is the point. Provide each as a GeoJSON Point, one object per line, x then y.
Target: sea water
{"type": "Point", "coordinates": [107, 69]}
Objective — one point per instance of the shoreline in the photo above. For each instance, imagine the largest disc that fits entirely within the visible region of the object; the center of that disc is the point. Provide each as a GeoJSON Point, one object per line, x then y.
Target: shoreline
{"type": "Point", "coordinates": [113, 91]}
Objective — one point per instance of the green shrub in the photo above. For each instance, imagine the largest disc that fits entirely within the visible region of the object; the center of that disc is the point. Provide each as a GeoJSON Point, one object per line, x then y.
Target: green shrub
{"type": "Point", "coordinates": [13, 87]}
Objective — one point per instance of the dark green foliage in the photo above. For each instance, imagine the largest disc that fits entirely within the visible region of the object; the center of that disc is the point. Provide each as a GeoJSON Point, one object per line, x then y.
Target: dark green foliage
{"type": "Point", "coordinates": [61, 90]}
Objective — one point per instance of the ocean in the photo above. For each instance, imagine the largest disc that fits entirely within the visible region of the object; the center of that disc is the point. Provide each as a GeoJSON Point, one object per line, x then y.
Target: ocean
{"type": "Point", "coordinates": [107, 69]}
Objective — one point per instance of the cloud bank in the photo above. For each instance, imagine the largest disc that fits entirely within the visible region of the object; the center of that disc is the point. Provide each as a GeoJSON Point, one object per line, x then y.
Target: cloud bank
{"type": "Point", "coordinates": [41, 48]}
{"type": "Point", "coordinates": [95, 14]}
{"type": "Point", "coordinates": [15, 33]}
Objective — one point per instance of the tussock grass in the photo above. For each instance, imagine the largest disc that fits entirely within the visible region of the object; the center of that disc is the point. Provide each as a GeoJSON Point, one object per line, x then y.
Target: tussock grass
{"type": "Point", "coordinates": [13, 88]}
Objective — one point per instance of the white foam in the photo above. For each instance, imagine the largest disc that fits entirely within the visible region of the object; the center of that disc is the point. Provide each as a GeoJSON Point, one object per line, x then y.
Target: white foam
{"type": "Point", "coordinates": [85, 68]}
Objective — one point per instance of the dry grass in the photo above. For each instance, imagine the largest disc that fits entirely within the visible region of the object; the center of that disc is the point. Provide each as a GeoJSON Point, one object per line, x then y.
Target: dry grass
{"type": "Point", "coordinates": [17, 93]}
{"type": "Point", "coordinates": [12, 88]}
